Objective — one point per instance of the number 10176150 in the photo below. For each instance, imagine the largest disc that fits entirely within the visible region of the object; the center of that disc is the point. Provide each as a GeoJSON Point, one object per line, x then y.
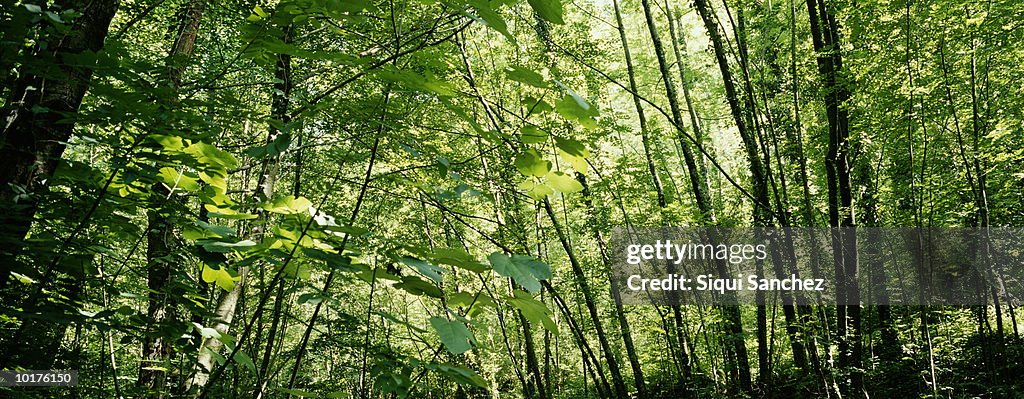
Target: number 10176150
{"type": "Point", "coordinates": [39, 378]}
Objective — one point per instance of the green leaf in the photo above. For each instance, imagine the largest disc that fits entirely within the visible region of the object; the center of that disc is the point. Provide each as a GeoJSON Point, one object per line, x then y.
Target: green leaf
{"type": "Point", "coordinates": [532, 135]}
{"type": "Point", "coordinates": [535, 311]}
{"type": "Point", "coordinates": [536, 190]}
{"type": "Point", "coordinates": [525, 270]}
{"type": "Point", "coordinates": [563, 183]}
{"type": "Point", "coordinates": [243, 359]}
{"type": "Point", "coordinates": [32, 8]}
{"type": "Point", "coordinates": [219, 231]}
{"type": "Point", "coordinates": [550, 10]}
{"type": "Point", "coordinates": [206, 332]}
{"type": "Point", "coordinates": [220, 276]}
{"type": "Point", "coordinates": [227, 213]}
{"type": "Point", "coordinates": [474, 302]}
{"type": "Point", "coordinates": [211, 156]}
{"type": "Point", "coordinates": [488, 16]}
{"type": "Point", "coordinates": [523, 75]}
{"type": "Point", "coordinates": [172, 178]}
{"type": "Point", "coordinates": [379, 273]}
{"type": "Point", "coordinates": [425, 268]}
{"type": "Point", "coordinates": [259, 11]}
{"type": "Point", "coordinates": [458, 258]}
{"type": "Point", "coordinates": [417, 286]}
{"type": "Point", "coordinates": [459, 374]}
{"type": "Point", "coordinates": [170, 143]}
{"type": "Point", "coordinates": [288, 205]}
{"type": "Point", "coordinates": [530, 163]}
{"type": "Point", "coordinates": [23, 278]}
{"type": "Point", "coordinates": [297, 270]}
{"type": "Point", "coordinates": [453, 333]}
{"type": "Point", "coordinates": [572, 147]}
{"type": "Point", "coordinates": [536, 106]}
{"type": "Point", "coordinates": [222, 247]}
{"type": "Point", "coordinates": [275, 147]}
{"type": "Point", "coordinates": [574, 107]}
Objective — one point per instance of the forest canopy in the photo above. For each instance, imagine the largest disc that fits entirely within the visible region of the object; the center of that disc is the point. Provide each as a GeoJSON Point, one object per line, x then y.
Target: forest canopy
{"type": "Point", "coordinates": [420, 198]}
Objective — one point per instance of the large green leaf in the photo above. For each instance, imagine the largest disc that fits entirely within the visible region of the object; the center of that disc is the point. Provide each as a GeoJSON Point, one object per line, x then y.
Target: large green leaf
{"type": "Point", "coordinates": [475, 302]}
{"type": "Point", "coordinates": [458, 258]}
{"type": "Point", "coordinates": [211, 156]}
{"type": "Point", "coordinates": [530, 163]}
{"type": "Point", "coordinates": [523, 75]}
{"type": "Point", "coordinates": [525, 270]}
{"type": "Point", "coordinates": [536, 190]}
{"type": "Point", "coordinates": [244, 359]}
{"type": "Point", "coordinates": [563, 183]}
{"type": "Point", "coordinates": [535, 311]}
{"type": "Point", "coordinates": [425, 268]}
{"type": "Point", "coordinates": [288, 205]}
{"type": "Point", "coordinates": [574, 107]}
{"type": "Point", "coordinates": [532, 135]}
{"type": "Point", "coordinates": [184, 181]}
{"type": "Point", "coordinates": [550, 10]}
{"type": "Point", "coordinates": [417, 286]}
{"type": "Point", "coordinates": [220, 276]}
{"type": "Point", "coordinates": [458, 374]}
{"type": "Point", "coordinates": [220, 246]}
{"type": "Point", "coordinates": [454, 334]}
{"type": "Point", "coordinates": [490, 17]}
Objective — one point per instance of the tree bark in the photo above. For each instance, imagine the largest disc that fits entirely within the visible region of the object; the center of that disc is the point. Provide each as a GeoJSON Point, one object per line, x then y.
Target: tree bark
{"type": "Point", "coordinates": [160, 236]}
{"type": "Point", "coordinates": [34, 124]}
{"type": "Point", "coordinates": [825, 38]}
{"type": "Point", "coordinates": [588, 297]}
{"type": "Point", "coordinates": [36, 121]}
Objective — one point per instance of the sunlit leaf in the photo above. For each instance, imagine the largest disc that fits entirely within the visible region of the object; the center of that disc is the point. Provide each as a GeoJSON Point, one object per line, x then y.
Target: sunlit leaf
{"type": "Point", "coordinates": [535, 311]}
{"type": "Point", "coordinates": [563, 183]}
{"type": "Point", "coordinates": [453, 333]}
{"type": "Point", "coordinates": [527, 271]}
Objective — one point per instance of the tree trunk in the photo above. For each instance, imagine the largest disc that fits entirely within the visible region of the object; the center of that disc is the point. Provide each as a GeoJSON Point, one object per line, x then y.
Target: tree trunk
{"type": "Point", "coordinates": [36, 121]}
{"type": "Point", "coordinates": [588, 297]}
{"type": "Point", "coordinates": [156, 350]}
{"type": "Point", "coordinates": [641, 116]}
{"type": "Point", "coordinates": [228, 302]}
{"type": "Point", "coordinates": [825, 37]}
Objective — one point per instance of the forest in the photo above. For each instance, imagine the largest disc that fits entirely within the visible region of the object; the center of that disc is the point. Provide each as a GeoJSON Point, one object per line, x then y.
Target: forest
{"type": "Point", "coordinates": [420, 198]}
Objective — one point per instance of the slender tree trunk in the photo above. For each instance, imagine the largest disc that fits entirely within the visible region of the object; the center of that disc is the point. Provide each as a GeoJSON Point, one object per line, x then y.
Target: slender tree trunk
{"type": "Point", "coordinates": [160, 237]}
{"type": "Point", "coordinates": [588, 297]}
{"type": "Point", "coordinates": [228, 303]}
{"type": "Point", "coordinates": [279, 107]}
{"type": "Point", "coordinates": [645, 136]}
{"type": "Point", "coordinates": [825, 38]}
{"type": "Point", "coordinates": [620, 314]}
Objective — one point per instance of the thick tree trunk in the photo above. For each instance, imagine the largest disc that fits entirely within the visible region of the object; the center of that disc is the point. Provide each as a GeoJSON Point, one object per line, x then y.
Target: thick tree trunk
{"type": "Point", "coordinates": [38, 118]}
